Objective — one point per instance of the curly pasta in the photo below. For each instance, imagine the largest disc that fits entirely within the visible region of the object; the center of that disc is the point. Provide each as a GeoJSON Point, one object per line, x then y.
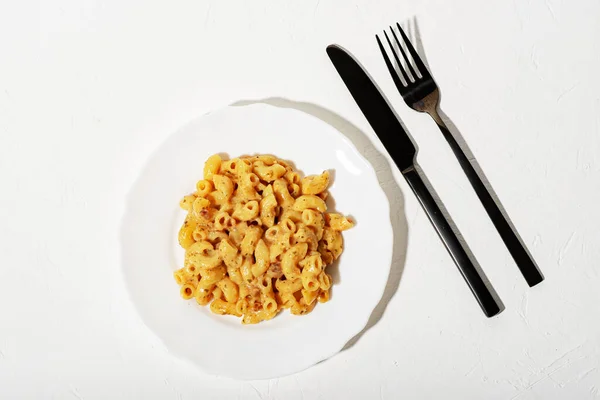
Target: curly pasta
{"type": "Point", "coordinates": [258, 239]}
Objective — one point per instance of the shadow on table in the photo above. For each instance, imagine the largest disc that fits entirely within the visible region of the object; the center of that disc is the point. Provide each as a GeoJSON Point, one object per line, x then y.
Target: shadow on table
{"type": "Point", "coordinates": [384, 174]}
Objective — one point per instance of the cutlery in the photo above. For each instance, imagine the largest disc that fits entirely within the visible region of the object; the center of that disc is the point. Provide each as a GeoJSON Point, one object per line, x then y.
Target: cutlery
{"type": "Point", "coordinates": [401, 149]}
{"type": "Point", "coordinates": [422, 94]}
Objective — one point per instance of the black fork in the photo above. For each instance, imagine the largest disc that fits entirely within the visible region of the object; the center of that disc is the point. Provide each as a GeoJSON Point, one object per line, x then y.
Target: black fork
{"type": "Point", "coordinates": [422, 94]}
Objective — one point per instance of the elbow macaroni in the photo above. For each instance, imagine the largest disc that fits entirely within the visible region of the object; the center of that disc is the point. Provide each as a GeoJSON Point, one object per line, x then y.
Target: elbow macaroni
{"type": "Point", "coordinates": [258, 239]}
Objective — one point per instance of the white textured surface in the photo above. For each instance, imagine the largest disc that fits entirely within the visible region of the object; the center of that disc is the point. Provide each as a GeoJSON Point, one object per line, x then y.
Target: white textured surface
{"type": "Point", "coordinates": [88, 89]}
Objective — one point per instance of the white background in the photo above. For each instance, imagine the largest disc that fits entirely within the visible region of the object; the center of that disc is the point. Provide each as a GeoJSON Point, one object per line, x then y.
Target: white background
{"type": "Point", "coordinates": [89, 89]}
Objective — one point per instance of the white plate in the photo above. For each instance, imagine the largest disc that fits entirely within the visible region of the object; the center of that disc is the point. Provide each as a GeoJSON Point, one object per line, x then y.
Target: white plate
{"type": "Point", "coordinates": [221, 345]}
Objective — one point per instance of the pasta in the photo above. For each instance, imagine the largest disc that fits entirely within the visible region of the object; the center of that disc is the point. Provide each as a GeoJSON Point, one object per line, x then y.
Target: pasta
{"type": "Point", "coordinates": [258, 238]}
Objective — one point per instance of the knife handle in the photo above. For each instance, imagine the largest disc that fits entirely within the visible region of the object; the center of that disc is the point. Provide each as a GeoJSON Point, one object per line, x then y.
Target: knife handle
{"type": "Point", "coordinates": [484, 297]}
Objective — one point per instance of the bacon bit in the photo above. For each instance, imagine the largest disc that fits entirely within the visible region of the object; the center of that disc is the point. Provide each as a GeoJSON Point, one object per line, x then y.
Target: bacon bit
{"type": "Point", "coordinates": [275, 270]}
{"type": "Point", "coordinates": [204, 213]}
{"type": "Point", "coordinates": [254, 291]}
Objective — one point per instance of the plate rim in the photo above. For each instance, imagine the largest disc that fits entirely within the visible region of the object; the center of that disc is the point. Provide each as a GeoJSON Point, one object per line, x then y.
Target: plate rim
{"type": "Point", "coordinates": [360, 323]}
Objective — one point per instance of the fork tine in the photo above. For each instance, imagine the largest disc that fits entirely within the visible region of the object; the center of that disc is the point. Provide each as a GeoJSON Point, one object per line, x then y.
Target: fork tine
{"type": "Point", "coordinates": [390, 66]}
{"type": "Point", "coordinates": [410, 67]}
{"type": "Point", "coordinates": [400, 67]}
{"type": "Point", "coordinates": [413, 53]}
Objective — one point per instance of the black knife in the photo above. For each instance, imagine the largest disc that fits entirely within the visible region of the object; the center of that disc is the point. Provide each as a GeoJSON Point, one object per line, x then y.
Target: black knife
{"type": "Point", "coordinates": [402, 150]}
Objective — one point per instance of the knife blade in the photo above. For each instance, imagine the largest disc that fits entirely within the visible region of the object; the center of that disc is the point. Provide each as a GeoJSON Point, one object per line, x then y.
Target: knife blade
{"type": "Point", "coordinates": [399, 145]}
{"type": "Point", "coordinates": [375, 108]}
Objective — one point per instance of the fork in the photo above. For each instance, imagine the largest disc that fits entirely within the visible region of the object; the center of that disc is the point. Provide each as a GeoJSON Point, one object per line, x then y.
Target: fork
{"type": "Point", "coordinates": [422, 94]}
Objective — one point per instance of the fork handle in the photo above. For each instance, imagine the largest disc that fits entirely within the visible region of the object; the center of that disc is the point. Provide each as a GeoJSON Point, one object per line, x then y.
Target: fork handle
{"type": "Point", "coordinates": [481, 292]}
{"type": "Point", "coordinates": [522, 258]}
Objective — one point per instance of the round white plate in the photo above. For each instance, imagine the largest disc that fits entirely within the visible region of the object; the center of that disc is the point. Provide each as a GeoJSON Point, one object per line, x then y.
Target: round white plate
{"type": "Point", "coordinates": [221, 345]}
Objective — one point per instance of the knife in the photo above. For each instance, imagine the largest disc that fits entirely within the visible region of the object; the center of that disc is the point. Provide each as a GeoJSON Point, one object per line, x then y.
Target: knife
{"type": "Point", "coordinates": [402, 150]}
